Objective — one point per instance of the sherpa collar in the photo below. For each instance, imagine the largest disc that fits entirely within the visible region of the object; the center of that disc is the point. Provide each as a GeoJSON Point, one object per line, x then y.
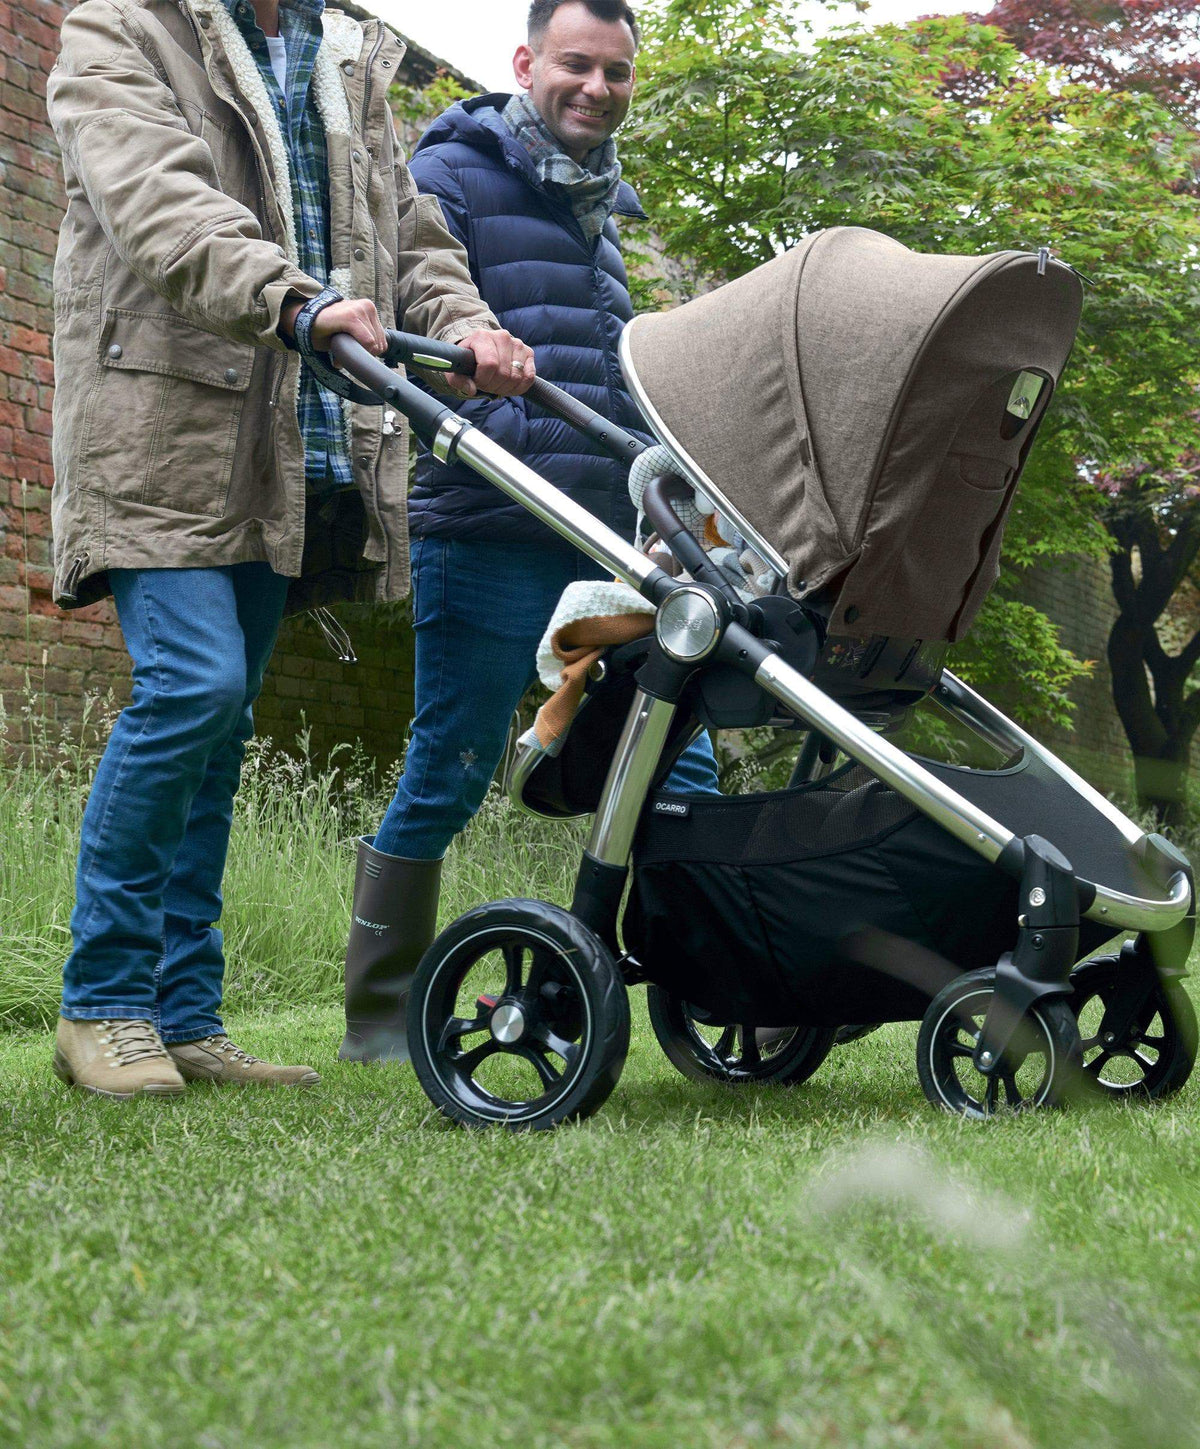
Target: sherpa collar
{"type": "Point", "coordinates": [342, 41]}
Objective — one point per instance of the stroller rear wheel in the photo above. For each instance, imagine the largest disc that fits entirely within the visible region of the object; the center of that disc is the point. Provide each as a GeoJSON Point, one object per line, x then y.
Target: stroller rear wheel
{"type": "Point", "coordinates": [782, 1056]}
{"type": "Point", "coordinates": [1040, 1067]}
{"type": "Point", "coordinates": [518, 1016]}
{"type": "Point", "coordinates": [1155, 1055]}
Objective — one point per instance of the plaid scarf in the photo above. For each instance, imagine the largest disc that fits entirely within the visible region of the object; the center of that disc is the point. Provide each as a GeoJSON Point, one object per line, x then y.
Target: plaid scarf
{"type": "Point", "coordinates": [591, 188]}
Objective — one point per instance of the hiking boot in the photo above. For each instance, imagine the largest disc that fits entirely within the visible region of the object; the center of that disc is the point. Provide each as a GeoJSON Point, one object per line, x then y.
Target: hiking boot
{"type": "Point", "coordinates": [119, 1059]}
{"type": "Point", "coordinates": [216, 1059]}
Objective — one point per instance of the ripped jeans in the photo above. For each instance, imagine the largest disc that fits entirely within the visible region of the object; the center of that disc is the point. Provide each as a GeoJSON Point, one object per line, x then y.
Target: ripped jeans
{"type": "Point", "coordinates": [480, 610]}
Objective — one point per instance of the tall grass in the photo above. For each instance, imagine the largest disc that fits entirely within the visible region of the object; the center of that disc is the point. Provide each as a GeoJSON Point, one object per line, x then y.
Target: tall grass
{"type": "Point", "coordinates": [291, 862]}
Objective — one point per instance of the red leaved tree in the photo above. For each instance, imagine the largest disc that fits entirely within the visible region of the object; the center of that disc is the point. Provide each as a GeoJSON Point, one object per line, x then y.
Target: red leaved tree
{"type": "Point", "coordinates": [1153, 516]}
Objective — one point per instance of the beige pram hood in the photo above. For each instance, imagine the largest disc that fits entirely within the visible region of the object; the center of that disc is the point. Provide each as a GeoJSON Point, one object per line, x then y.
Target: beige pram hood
{"type": "Point", "coordinates": [864, 412]}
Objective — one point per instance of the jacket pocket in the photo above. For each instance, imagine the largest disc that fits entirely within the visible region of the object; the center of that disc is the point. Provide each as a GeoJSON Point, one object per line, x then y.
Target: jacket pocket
{"type": "Point", "coordinates": [162, 418]}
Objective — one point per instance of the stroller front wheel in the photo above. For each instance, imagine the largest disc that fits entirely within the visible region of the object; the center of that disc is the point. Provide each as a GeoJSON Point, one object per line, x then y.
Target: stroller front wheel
{"type": "Point", "coordinates": [734, 1054]}
{"type": "Point", "coordinates": [1156, 1052]}
{"type": "Point", "coordinates": [518, 1017]}
{"type": "Point", "coordinates": [1041, 1064]}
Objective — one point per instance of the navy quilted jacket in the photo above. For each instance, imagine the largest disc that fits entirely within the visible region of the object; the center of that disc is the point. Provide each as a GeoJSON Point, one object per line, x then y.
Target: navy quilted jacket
{"type": "Point", "coordinates": [567, 298]}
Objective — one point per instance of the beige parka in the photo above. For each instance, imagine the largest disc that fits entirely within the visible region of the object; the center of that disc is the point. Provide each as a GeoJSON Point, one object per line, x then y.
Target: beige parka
{"type": "Point", "coordinates": [176, 443]}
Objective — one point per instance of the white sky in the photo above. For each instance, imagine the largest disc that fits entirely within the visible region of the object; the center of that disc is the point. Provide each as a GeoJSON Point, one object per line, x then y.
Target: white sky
{"type": "Point", "coordinates": [479, 36]}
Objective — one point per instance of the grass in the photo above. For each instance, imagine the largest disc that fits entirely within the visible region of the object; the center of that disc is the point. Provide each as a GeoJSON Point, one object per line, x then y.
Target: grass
{"type": "Point", "coordinates": [716, 1269]}
{"type": "Point", "coordinates": [694, 1266]}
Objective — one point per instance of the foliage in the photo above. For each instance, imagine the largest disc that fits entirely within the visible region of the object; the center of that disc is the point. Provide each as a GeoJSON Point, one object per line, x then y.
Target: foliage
{"type": "Point", "coordinates": [1129, 45]}
{"type": "Point", "coordinates": [748, 135]}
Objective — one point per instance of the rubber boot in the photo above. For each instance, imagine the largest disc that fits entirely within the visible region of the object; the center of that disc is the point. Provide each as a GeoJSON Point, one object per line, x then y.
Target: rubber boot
{"type": "Point", "coordinates": [392, 923]}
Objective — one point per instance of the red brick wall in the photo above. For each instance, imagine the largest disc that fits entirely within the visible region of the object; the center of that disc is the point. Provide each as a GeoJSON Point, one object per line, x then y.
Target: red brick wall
{"type": "Point", "coordinates": [61, 658]}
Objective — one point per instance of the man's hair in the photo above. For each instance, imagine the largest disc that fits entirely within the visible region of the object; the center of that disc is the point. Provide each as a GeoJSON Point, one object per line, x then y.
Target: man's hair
{"type": "Point", "coordinates": [615, 11]}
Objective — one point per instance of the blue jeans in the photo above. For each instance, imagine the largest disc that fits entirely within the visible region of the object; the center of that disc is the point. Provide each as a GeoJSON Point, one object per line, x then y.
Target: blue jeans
{"type": "Point", "coordinates": [156, 828]}
{"type": "Point", "coordinates": [480, 610]}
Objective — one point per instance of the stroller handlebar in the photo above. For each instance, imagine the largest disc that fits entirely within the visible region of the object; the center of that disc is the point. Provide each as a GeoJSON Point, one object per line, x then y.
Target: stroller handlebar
{"type": "Point", "coordinates": [424, 352]}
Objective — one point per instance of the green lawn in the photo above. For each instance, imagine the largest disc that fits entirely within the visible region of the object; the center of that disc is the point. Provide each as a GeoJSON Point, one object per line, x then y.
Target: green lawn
{"type": "Point", "coordinates": [693, 1267]}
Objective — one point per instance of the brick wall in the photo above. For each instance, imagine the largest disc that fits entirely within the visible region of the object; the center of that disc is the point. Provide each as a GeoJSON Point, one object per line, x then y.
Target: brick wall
{"type": "Point", "coordinates": [61, 658]}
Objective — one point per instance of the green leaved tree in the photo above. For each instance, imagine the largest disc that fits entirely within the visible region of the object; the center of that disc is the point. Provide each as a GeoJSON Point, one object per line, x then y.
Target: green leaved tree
{"type": "Point", "coordinates": [749, 134]}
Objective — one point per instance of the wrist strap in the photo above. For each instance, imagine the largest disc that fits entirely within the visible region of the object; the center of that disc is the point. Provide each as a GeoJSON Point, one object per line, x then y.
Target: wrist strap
{"type": "Point", "coordinates": [318, 362]}
{"type": "Point", "coordinates": [307, 315]}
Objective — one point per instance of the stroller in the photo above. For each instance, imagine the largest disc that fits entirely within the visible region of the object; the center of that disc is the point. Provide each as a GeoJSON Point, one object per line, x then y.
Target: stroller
{"type": "Point", "coordinates": [858, 417]}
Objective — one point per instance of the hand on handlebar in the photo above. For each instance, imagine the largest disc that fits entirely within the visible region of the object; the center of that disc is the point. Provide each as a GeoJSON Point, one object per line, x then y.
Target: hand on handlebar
{"type": "Point", "coordinates": [357, 319]}
{"type": "Point", "coordinates": [503, 365]}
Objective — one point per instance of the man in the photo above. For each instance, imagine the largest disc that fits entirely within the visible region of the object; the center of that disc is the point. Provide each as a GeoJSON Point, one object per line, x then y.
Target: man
{"type": "Point", "coordinates": [224, 161]}
{"type": "Point", "coordinates": [529, 184]}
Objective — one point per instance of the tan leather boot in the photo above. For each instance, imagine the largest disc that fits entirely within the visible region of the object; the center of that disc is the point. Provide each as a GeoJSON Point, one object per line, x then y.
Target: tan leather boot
{"type": "Point", "coordinates": [216, 1059]}
{"type": "Point", "coordinates": [119, 1059]}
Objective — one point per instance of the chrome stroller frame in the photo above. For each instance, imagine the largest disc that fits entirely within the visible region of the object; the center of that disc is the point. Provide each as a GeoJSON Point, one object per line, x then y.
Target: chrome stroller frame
{"type": "Point", "coordinates": [699, 624]}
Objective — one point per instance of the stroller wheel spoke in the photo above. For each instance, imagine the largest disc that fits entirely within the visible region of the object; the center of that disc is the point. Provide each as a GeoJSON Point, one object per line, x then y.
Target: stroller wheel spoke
{"type": "Point", "coordinates": [540, 1063]}
{"type": "Point", "coordinates": [747, 1039]}
{"type": "Point", "coordinates": [1012, 1093]}
{"type": "Point", "coordinates": [514, 965]}
{"type": "Point", "coordinates": [991, 1095]}
{"type": "Point", "coordinates": [723, 1046]}
{"type": "Point", "coordinates": [1152, 1041]}
{"type": "Point", "coordinates": [545, 1038]}
{"type": "Point", "coordinates": [458, 1027]}
{"type": "Point", "coordinates": [469, 1062]}
{"type": "Point", "coordinates": [960, 1049]}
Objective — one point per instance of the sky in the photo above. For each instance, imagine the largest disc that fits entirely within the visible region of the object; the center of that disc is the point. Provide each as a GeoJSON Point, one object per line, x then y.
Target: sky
{"type": "Point", "coordinates": [478, 37]}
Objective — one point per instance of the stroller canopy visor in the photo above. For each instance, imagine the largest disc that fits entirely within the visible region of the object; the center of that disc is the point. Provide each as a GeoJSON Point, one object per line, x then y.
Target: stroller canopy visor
{"type": "Point", "coordinates": [866, 411]}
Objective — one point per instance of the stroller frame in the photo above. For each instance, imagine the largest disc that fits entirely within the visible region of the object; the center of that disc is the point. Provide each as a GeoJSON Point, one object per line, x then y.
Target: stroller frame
{"type": "Point", "coordinates": [698, 625]}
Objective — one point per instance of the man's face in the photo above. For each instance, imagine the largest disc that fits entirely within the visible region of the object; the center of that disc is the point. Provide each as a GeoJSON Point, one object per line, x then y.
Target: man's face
{"type": "Point", "coordinates": [580, 78]}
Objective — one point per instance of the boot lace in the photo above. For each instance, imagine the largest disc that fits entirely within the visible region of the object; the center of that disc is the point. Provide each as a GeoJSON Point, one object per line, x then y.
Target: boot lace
{"type": "Point", "coordinates": [131, 1041]}
{"type": "Point", "coordinates": [224, 1047]}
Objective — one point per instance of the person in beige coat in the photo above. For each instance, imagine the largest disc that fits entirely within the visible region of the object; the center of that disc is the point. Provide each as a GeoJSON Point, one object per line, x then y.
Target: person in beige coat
{"type": "Point", "coordinates": [232, 174]}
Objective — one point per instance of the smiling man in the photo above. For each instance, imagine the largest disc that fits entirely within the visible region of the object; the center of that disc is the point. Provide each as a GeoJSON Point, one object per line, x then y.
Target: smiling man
{"type": "Point", "coordinates": [529, 185]}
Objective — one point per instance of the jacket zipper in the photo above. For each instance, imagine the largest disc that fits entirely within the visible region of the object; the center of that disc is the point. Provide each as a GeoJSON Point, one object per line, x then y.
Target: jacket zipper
{"type": "Point", "coordinates": [366, 100]}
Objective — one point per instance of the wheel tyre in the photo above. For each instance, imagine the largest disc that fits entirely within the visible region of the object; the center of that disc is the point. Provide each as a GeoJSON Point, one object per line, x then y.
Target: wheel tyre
{"type": "Point", "coordinates": [785, 1062]}
{"type": "Point", "coordinates": [1176, 1048]}
{"type": "Point", "coordinates": [574, 961]}
{"type": "Point", "coordinates": [1048, 1029]}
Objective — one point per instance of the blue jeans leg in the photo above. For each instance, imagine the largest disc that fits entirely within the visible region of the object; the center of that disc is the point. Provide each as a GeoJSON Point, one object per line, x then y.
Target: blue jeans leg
{"type": "Point", "coordinates": [191, 969]}
{"type": "Point", "coordinates": [479, 611]}
{"type": "Point", "coordinates": [190, 689]}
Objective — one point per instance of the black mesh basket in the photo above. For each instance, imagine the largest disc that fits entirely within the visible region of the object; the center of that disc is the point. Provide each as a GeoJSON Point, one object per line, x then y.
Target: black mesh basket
{"type": "Point", "coordinates": [827, 903]}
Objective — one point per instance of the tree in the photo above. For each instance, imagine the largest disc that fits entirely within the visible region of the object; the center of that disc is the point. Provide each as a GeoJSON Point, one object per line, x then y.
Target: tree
{"type": "Point", "coordinates": [1126, 45]}
{"type": "Point", "coordinates": [942, 134]}
{"type": "Point", "coordinates": [1153, 513]}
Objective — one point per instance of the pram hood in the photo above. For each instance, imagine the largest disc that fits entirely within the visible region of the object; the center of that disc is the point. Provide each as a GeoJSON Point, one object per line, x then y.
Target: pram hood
{"type": "Point", "coordinates": [864, 412]}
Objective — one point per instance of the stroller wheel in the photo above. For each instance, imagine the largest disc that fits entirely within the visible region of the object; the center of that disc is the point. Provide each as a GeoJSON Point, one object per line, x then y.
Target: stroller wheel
{"type": "Point", "coordinates": [518, 1016]}
{"type": "Point", "coordinates": [1041, 1064]}
{"type": "Point", "coordinates": [1155, 1056]}
{"type": "Point", "coordinates": [783, 1056]}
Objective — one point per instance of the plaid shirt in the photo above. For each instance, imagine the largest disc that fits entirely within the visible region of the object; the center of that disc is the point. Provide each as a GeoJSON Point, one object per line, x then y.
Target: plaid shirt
{"type": "Point", "coordinates": [322, 423]}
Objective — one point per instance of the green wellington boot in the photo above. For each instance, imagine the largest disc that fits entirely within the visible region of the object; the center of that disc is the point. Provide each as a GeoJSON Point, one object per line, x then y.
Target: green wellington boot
{"type": "Point", "coordinates": [393, 921]}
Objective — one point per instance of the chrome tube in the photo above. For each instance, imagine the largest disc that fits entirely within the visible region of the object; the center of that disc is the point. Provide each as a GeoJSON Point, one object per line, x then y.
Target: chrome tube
{"type": "Point", "coordinates": [965, 821]}
{"type": "Point", "coordinates": [638, 753]}
{"type": "Point", "coordinates": [991, 724]}
{"type": "Point", "coordinates": [952, 811]}
{"type": "Point", "coordinates": [552, 506]}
